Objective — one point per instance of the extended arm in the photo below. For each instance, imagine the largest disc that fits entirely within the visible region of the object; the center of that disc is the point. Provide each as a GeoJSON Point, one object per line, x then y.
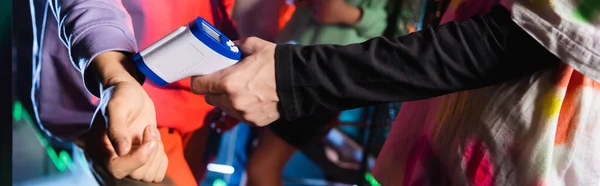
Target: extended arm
{"type": "Point", "coordinates": [475, 53]}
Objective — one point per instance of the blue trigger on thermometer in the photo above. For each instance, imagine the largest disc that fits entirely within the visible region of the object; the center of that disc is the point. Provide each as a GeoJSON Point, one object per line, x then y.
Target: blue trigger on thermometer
{"type": "Point", "coordinates": [192, 50]}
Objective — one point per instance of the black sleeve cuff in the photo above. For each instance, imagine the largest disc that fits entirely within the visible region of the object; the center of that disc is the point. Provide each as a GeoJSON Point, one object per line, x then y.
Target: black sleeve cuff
{"type": "Point", "coordinates": [295, 127]}
{"type": "Point", "coordinates": [289, 109]}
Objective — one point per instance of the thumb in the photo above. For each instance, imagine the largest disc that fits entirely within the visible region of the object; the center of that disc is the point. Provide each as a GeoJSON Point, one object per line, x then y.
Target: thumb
{"type": "Point", "coordinates": [118, 113]}
{"type": "Point", "coordinates": [125, 165]}
{"type": "Point", "coordinates": [119, 135]}
{"type": "Point", "coordinates": [241, 45]}
{"type": "Point", "coordinates": [249, 45]}
{"type": "Point", "coordinates": [115, 111]}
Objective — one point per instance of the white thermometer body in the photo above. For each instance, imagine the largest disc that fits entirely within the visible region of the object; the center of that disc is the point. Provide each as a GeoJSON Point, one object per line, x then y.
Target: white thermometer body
{"type": "Point", "coordinates": [192, 50]}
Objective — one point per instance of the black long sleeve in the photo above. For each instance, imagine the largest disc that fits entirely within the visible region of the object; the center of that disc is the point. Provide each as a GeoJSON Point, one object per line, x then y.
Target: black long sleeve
{"type": "Point", "coordinates": [478, 52]}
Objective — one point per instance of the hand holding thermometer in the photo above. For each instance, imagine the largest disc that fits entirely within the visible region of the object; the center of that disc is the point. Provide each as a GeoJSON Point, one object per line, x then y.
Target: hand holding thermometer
{"type": "Point", "coordinates": [198, 49]}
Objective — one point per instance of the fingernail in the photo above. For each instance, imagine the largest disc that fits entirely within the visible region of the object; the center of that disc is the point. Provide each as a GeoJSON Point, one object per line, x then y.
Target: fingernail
{"type": "Point", "coordinates": [152, 144]}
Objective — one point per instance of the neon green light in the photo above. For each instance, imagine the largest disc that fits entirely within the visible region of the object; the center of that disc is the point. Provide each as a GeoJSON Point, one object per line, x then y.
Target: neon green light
{"type": "Point", "coordinates": [17, 111]}
{"type": "Point", "coordinates": [62, 160]}
{"type": "Point", "coordinates": [371, 180]}
{"type": "Point", "coordinates": [219, 182]}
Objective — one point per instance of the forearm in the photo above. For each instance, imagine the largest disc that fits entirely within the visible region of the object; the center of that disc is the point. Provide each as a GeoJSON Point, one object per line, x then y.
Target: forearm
{"type": "Point", "coordinates": [478, 52]}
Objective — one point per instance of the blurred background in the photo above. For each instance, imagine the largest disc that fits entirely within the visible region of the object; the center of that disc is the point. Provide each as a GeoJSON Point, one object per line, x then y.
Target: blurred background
{"type": "Point", "coordinates": [343, 157]}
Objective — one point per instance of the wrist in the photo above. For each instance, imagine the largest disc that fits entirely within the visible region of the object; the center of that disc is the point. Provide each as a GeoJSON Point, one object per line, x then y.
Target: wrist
{"type": "Point", "coordinates": [113, 67]}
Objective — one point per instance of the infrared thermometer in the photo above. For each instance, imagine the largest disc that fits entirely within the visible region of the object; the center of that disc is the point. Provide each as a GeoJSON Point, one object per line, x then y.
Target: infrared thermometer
{"type": "Point", "coordinates": [192, 50]}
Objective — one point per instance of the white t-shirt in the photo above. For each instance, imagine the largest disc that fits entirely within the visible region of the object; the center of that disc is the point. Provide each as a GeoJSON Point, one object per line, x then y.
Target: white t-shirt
{"type": "Point", "coordinates": [570, 29]}
{"type": "Point", "coordinates": [543, 129]}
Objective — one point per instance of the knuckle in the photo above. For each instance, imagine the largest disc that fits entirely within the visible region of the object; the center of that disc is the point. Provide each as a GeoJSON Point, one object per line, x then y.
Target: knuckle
{"type": "Point", "coordinates": [137, 176]}
{"type": "Point", "coordinates": [148, 178]}
{"type": "Point", "coordinates": [166, 164]}
{"type": "Point", "coordinates": [195, 87]}
{"type": "Point", "coordinates": [252, 39]}
{"type": "Point", "coordinates": [249, 117]}
{"type": "Point", "coordinates": [161, 176]}
{"type": "Point", "coordinates": [263, 122]}
{"type": "Point", "coordinates": [237, 105]}
{"type": "Point", "coordinates": [260, 123]}
{"type": "Point", "coordinates": [117, 174]}
{"type": "Point", "coordinates": [229, 86]}
{"type": "Point", "coordinates": [273, 117]}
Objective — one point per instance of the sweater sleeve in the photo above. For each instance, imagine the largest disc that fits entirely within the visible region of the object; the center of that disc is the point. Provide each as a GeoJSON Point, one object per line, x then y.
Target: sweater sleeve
{"type": "Point", "coordinates": [90, 27]}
